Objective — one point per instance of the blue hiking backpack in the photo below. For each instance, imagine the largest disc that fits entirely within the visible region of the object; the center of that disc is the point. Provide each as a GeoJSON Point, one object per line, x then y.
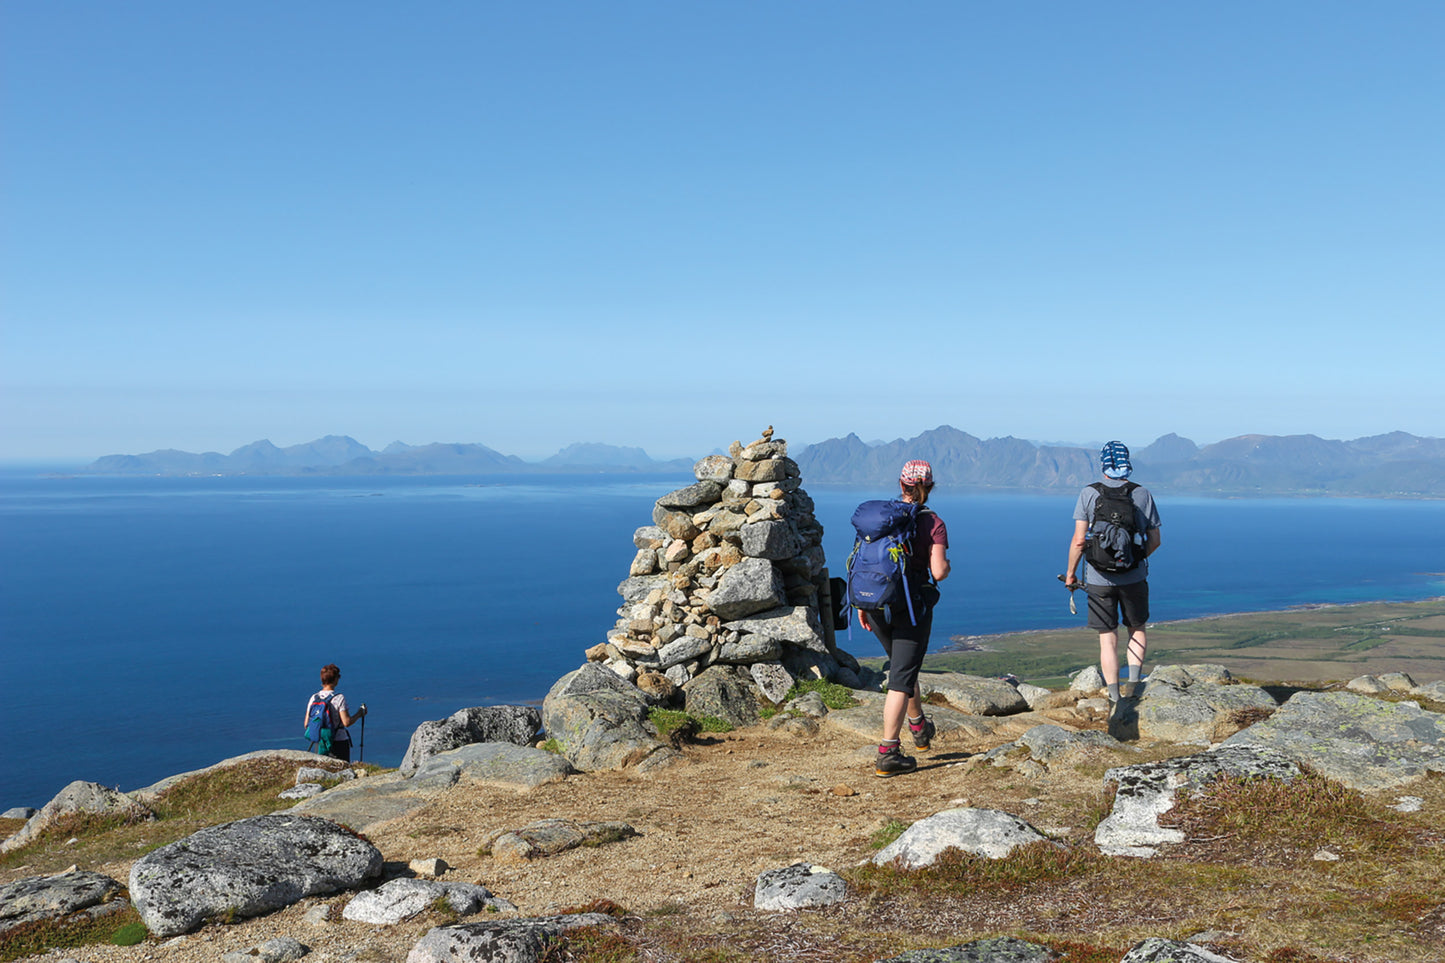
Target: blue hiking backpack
{"type": "Point", "coordinates": [877, 565]}
{"type": "Point", "coordinates": [320, 719]}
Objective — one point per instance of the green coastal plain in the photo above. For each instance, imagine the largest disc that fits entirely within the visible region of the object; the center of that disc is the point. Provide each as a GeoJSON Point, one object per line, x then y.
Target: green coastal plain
{"type": "Point", "coordinates": [1315, 644]}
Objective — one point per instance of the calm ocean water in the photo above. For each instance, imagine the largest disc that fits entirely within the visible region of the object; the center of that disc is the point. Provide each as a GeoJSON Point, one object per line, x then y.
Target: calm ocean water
{"type": "Point", "coordinates": [151, 626]}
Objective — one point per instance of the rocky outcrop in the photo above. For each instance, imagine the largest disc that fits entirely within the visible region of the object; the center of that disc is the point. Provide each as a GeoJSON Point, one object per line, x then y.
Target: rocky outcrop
{"type": "Point", "coordinates": [518, 725]}
{"type": "Point", "coordinates": [247, 868]}
{"type": "Point", "coordinates": [497, 763]}
{"type": "Point", "coordinates": [58, 897]}
{"type": "Point", "coordinates": [78, 797]}
{"type": "Point", "coordinates": [1361, 742]}
{"type": "Point", "coordinates": [600, 720]}
{"type": "Point", "coordinates": [973, 694]}
{"type": "Point", "coordinates": [982, 832]}
{"type": "Point", "coordinates": [798, 886]}
{"type": "Point", "coordinates": [1147, 790]}
{"type": "Point", "coordinates": [548, 837]}
{"type": "Point", "coordinates": [401, 899]}
{"type": "Point", "coordinates": [1198, 704]}
{"type": "Point", "coordinates": [504, 941]}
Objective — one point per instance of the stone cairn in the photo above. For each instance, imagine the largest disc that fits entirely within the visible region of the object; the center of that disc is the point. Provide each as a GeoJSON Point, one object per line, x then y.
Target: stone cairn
{"type": "Point", "coordinates": [730, 573]}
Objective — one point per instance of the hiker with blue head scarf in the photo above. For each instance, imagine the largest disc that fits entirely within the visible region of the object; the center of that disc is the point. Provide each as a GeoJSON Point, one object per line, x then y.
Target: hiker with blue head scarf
{"type": "Point", "coordinates": [1116, 529]}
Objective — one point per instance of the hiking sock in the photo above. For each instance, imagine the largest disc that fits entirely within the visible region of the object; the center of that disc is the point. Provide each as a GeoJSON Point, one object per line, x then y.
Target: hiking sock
{"type": "Point", "coordinates": [1113, 692]}
{"type": "Point", "coordinates": [917, 726]}
{"type": "Point", "coordinates": [889, 745]}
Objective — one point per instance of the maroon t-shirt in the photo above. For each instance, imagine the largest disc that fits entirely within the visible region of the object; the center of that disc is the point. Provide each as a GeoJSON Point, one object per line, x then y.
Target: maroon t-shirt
{"type": "Point", "coordinates": [929, 531]}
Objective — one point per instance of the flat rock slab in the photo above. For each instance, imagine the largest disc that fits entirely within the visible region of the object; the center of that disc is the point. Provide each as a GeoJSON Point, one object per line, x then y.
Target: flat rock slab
{"type": "Point", "coordinates": [503, 941]}
{"type": "Point", "coordinates": [401, 899]}
{"type": "Point", "coordinates": [973, 694]}
{"type": "Point", "coordinates": [53, 897]}
{"type": "Point", "coordinates": [1361, 742]}
{"type": "Point", "coordinates": [517, 725]}
{"type": "Point", "coordinates": [548, 837]}
{"type": "Point", "coordinates": [368, 802]}
{"type": "Point", "coordinates": [1148, 790]}
{"type": "Point", "coordinates": [981, 832]}
{"type": "Point", "coordinates": [496, 763]}
{"type": "Point", "coordinates": [247, 868]}
{"type": "Point", "coordinates": [1197, 705]}
{"type": "Point", "coordinates": [798, 886]}
{"type": "Point", "coordinates": [1003, 949]}
{"type": "Point", "coordinates": [1048, 743]}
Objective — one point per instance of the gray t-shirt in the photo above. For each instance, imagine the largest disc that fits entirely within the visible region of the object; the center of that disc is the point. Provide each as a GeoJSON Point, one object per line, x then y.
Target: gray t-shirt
{"type": "Point", "coordinates": [1146, 517]}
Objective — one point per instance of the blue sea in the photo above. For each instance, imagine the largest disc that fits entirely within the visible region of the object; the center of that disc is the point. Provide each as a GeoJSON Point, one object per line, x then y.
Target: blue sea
{"type": "Point", "coordinates": [150, 626]}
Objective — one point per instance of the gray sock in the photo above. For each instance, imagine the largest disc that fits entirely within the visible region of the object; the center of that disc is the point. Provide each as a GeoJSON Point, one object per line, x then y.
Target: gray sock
{"type": "Point", "coordinates": [1113, 692]}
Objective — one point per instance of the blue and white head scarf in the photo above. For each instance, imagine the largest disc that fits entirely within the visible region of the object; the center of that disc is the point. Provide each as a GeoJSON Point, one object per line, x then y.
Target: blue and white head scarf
{"type": "Point", "coordinates": [1114, 459]}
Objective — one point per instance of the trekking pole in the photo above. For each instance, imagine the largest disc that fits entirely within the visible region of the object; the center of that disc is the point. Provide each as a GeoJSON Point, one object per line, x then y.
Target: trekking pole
{"type": "Point", "coordinates": [361, 750]}
{"type": "Point", "coordinates": [1073, 610]}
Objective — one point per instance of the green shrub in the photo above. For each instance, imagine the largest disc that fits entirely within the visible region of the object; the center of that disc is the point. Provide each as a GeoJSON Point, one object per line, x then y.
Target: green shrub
{"type": "Point", "coordinates": [834, 696]}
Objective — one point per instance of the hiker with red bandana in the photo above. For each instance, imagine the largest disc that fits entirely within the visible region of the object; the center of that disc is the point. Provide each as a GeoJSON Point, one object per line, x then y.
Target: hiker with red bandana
{"type": "Point", "coordinates": [904, 635]}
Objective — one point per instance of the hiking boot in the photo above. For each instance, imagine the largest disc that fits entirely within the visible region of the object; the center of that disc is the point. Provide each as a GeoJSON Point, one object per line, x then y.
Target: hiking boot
{"type": "Point", "coordinates": [894, 763]}
{"type": "Point", "coordinates": [923, 738]}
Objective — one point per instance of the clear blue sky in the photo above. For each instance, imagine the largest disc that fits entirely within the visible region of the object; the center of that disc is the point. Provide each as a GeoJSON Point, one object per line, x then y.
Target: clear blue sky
{"type": "Point", "coordinates": [670, 224]}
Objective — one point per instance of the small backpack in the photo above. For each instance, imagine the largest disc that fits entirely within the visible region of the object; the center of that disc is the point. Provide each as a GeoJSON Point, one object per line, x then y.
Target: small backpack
{"type": "Point", "coordinates": [877, 565]}
{"type": "Point", "coordinates": [1114, 542]}
{"type": "Point", "coordinates": [320, 724]}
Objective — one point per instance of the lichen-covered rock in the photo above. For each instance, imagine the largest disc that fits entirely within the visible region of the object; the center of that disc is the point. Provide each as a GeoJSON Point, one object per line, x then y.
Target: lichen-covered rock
{"type": "Point", "coordinates": [797, 625]}
{"type": "Point", "coordinates": [401, 899]}
{"type": "Point", "coordinates": [1197, 705]}
{"type": "Point", "coordinates": [720, 692]}
{"type": "Point", "coordinates": [1361, 742]}
{"type": "Point", "coordinates": [501, 941]}
{"type": "Point", "coordinates": [1147, 790]}
{"type": "Point", "coordinates": [246, 868]}
{"type": "Point", "coordinates": [495, 763]}
{"type": "Point", "coordinates": [974, 694]}
{"type": "Point", "coordinates": [751, 586]}
{"type": "Point", "coordinates": [518, 725]}
{"type": "Point", "coordinates": [37, 898]}
{"type": "Point", "coordinates": [770, 539]}
{"type": "Point", "coordinates": [1158, 950]}
{"type": "Point", "coordinates": [982, 832]}
{"type": "Point", "coordinates": [281, 949]}
{"type": "Point", "coordinates": [600, 719]}
{"type": "Point", "coordinates": [798, 886]}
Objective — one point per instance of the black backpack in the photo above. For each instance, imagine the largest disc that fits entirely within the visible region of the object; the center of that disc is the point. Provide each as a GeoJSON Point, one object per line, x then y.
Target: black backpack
{"type": "Point", "coordinates": [1114, 542]}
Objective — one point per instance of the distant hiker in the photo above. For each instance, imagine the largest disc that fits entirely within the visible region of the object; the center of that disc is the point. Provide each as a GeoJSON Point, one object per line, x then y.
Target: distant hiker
{"type": "Point", "coordinates": [1116, 527]}
{"type": "Point", "coordinates": [328, 707]}
{"type": "Point", "coordinates": [903, 624]}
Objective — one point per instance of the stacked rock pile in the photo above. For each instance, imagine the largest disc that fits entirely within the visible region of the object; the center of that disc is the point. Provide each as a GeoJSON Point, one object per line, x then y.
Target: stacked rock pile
{"type": "Point", "coordinates": [730, 572]}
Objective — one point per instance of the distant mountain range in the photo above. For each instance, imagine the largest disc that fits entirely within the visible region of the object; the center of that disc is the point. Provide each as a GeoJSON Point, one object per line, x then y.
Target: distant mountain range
{"type": "Point", "coordinates": [342, 455]}
{"type": "Point", "coordinates": [1396, 464]}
